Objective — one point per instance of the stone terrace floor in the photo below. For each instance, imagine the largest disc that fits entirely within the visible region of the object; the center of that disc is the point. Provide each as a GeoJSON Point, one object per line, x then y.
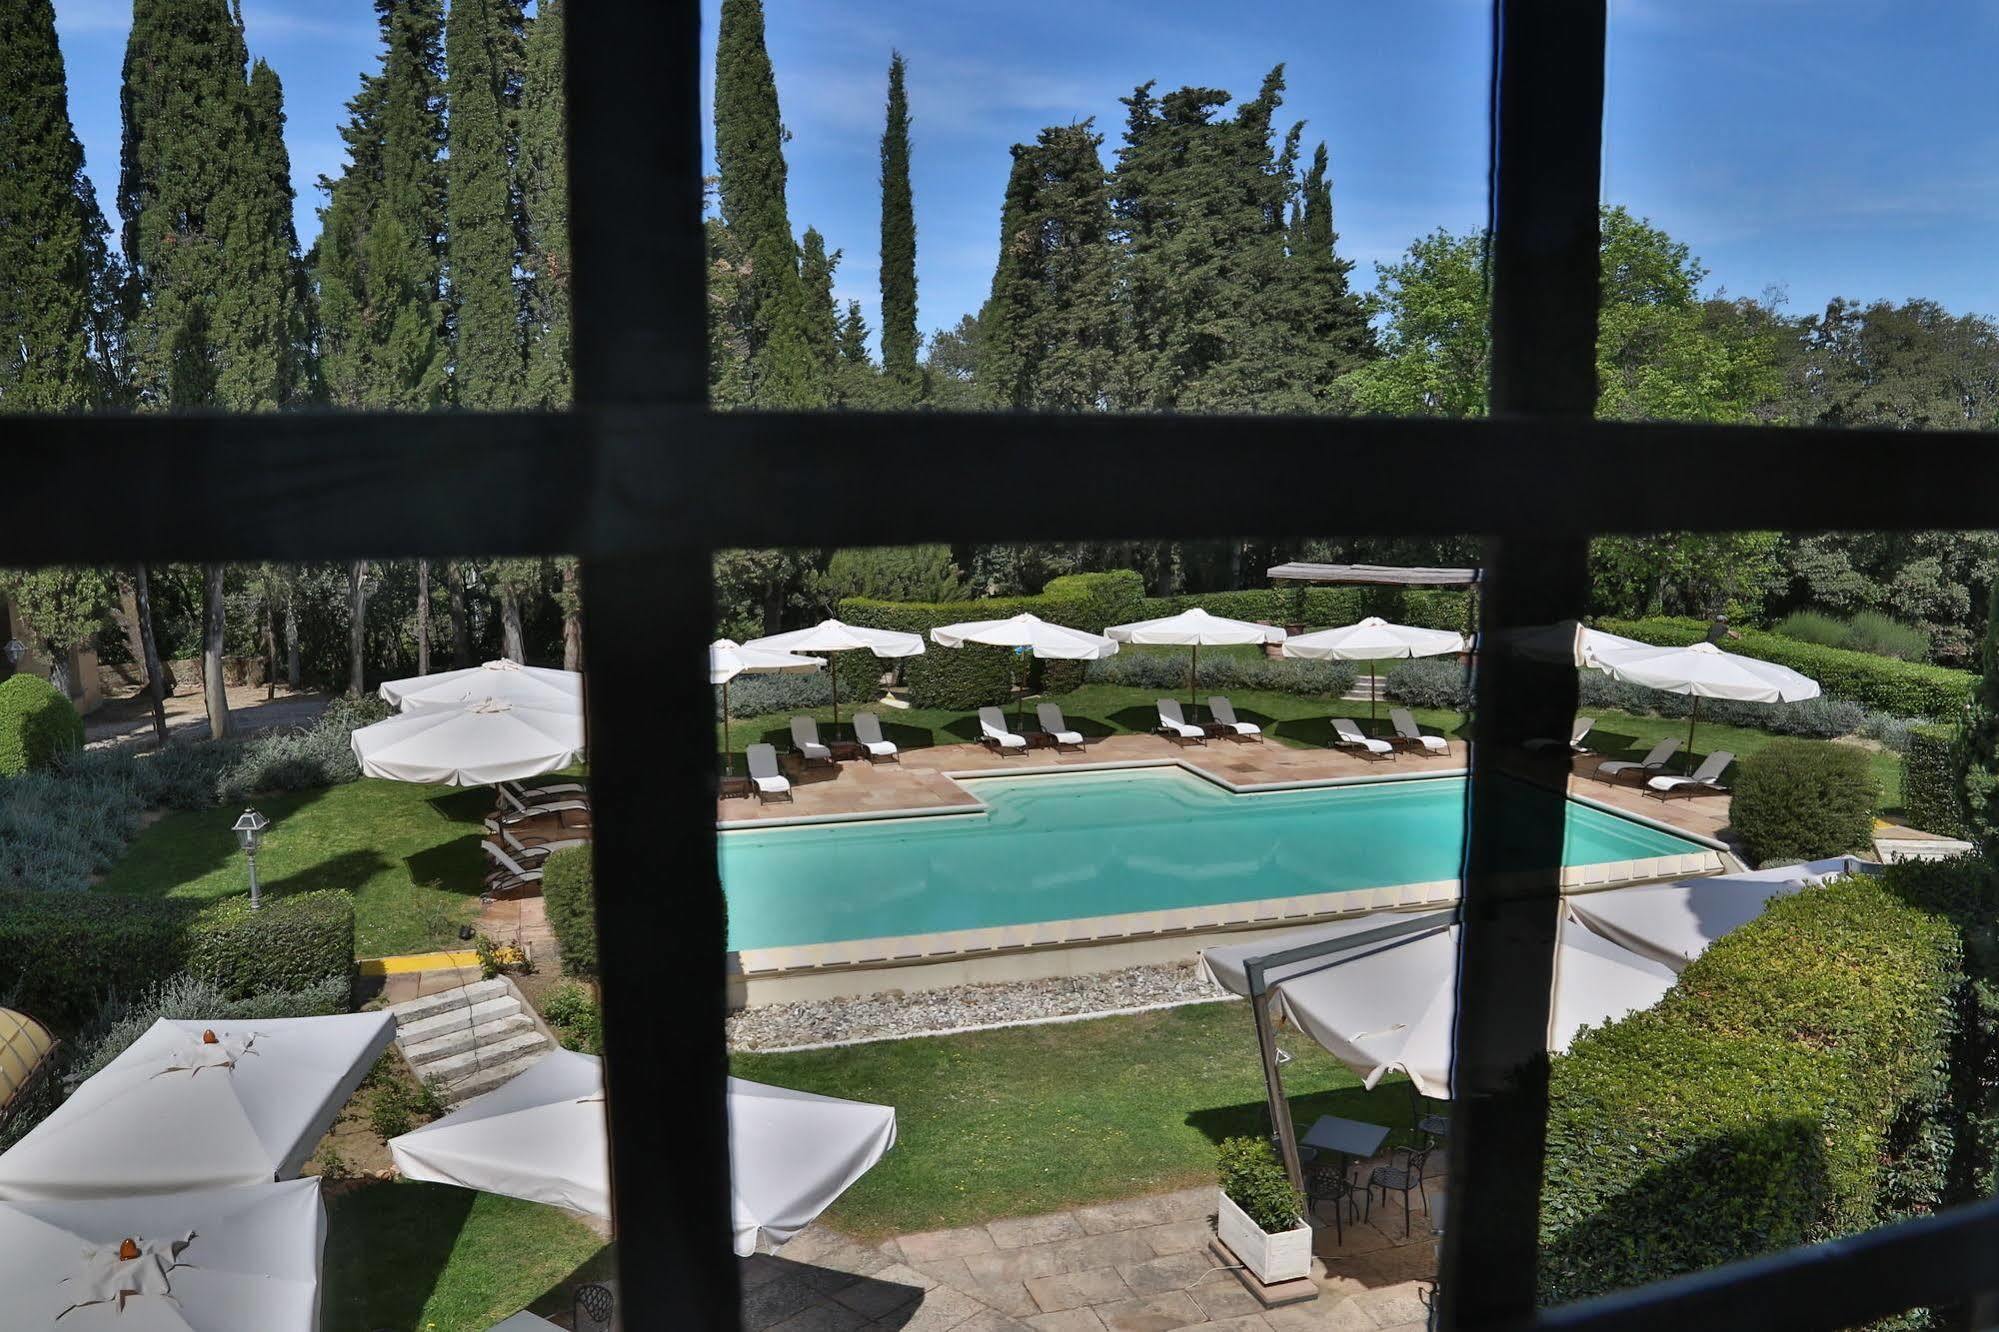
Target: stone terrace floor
{"type": "Point", "coordinates": [918, 780]}
{"type": "Point", "coordinates": [1142, 1265]}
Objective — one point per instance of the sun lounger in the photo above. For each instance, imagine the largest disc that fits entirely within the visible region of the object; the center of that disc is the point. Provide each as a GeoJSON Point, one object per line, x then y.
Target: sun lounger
{"type": "Point", "coordinates": [511, 875]}
{"type": "Point", "coordinates": [1625, 770]}
{"type": "Point", "coordinates": [1576, 736]}
{"type": "Point", "coordinates": [1223, 712]}
{"type": "Point", "coordinates": [805, 741]}
{"type": "Point", "coordinates": [568, 814]}
{"type": "Point", "coordinates": [539, 793]}
{"type": "Point", "coordinates": [769, 782]}
{"type": "Point", "coordinates": [1411, 735]}
{"type": "Point", "coordinates": [1349, 736]}
{"type": "Point", "coordinates": [534, 844]}
{"type": "Point", "coordinates": [994, 735]}
{"type": "Point", "coordinates": [1705, 780]}
{"type": "Point", "coordinates": [1057, 726]}
{"type": "Point", "coordinates": [1173, 724]}
{"type": "Point", "coordinates": [868, 730]}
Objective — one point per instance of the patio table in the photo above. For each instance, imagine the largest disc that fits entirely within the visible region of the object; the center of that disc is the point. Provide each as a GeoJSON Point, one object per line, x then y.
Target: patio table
{"type": "Point", "coordinates": [1350, 1138]}
{"type": "Point", "coordinates": [523, 1322]}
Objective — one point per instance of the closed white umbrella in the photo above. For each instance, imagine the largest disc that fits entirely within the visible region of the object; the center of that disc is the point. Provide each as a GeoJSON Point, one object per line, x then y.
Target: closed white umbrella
{"type": "Point", "coordinates": [178, 1110]}
{"type": "Point", "coordinates": [214, 1260]}
{"type": "Point", "coordinates": [1194, 629]}
{"type": "Point", "coordinates": [488, 742]}
{"type": "Point", "coordinates": [728, 659]}
{"type": "Point", "coordinates": [833, 636]}
{"type": "Point", "coordinates": [508, 681]}
{"type": "Point", "coordinates": [1374, 639]}
{"type": "Point", "coordinates": [1675, 922]}
{"type": "Point", "coordinates": [1702, 670]}
{"type": "Point", "coordinates": [1029, 634]}
{"type": "Point", "coordinates": [542, 1137]}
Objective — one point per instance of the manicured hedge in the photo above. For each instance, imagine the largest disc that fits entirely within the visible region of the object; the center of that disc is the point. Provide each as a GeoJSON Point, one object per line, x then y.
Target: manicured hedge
{"type": "Point", "coordinates": [1929, 781]}
{"type": "Point", "coordinates": [1804, 799]}
{"type": "Point", "coordinates": [569, 890]}
{"type": "Point", "coordinates": [1905, 688]}
{"type": "Point", "coordinates": [1321, 607]}
{"type": "Point", "coordinates": [37, 724]}
{"type": "Point", "coordinates": [1781, 1093]}
{"type": "Point", "coordinates": [293, 942]}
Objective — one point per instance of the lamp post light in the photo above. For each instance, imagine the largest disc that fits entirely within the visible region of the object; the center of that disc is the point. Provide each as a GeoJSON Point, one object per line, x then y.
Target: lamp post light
{"type": "Point", "coordinates": [15, 650]}
{"type": "Point", "coordinates": [249, 830]}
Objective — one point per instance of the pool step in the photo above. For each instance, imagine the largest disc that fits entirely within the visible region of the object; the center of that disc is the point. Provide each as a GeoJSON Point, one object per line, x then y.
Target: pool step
{"type": "Point", "coordinates": [468, 1040]}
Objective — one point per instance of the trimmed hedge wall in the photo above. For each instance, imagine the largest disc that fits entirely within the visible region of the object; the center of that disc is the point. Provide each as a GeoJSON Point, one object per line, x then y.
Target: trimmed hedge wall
{"type": "Point", "coordinates": [63, 954]}
{"type": "Point", "coordinates": [1321, 607]}
{"type": "Point", "coordinates": [569, 890]}
{"type": "Point", "coordinates": [1905, 688]}
{"type": "Point", "coordinates": [1929, 781]}
{"type": "Point", "coordinates": [1783, 1092]}
{"type": "Point", "coordinates": [37, 724]}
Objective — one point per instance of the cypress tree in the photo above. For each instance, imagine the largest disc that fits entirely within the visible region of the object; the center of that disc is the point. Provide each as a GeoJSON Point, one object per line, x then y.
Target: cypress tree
{"type": "Point", "coordinates": [856, 382]}
{"type": "Point", "coordinates": [822, 320]}
{"type": "Point", "coordinates": [338, 279]}
{"type": "Point", "coordinates": [898, 249]}
{"type": "Point", "coordinates": [261, 309]}
{"type": "Point", "coordinates": [53, 262]}
{"type": "Point", "coordinates": [482, 71]}
{"type": "Point", "coordinates": [544, 187]}
{"type": "Point", "coordinates": [1331, 318]}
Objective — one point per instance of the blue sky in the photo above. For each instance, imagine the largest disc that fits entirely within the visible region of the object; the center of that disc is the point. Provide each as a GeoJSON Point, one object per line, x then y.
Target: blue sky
{"type": "Point", "coordinates": [1847, 148]}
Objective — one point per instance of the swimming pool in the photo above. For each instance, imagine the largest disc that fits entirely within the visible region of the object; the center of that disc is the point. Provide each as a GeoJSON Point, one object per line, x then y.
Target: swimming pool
{"type": "Point", "coordinates": [1098, 844]}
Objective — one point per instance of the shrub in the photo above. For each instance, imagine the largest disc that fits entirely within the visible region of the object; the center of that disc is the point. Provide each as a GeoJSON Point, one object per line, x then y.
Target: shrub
{"type": "Point", "coordinates": [1254, 1180]}
{"type": "Point", "coordinates": [61, 954]}
{"type": "Point", "coordinates": [391, 1110]}
{"type": "Point", "coordinates": [761, 695]}
{"type": "Point", "coordinates": [1167, 673]}
{"type": "Point", "coordinates": [1871, 631]}
{"type": "Point", "coordinates": [37, 724]}
{"type": "Point", "coordinates": [1320, 607]}
{"type": "Point", "coordinates": [569, 890]}
{"type": "Point", "coordinates": [1802, 800]}
{"type": "Point", "coordinates": [578, 1022]}
{"type": "Point", "coordinates": [1905, 688]}
{"type": "Point", "coordinates": [293, 942]}
{"type": "Point", "coordinates": [1815, 627]}
{"type": "Point", "coordinates": [1781, 1093]}
{"type": "Point", "coordinates": [1929, 781]}
{"type": "Point", "coordinates": [1893, 732]}
{"type": "Point", "coordinates": [185, 996]}
{"type": "Point", "coordinates": [1432, 682]}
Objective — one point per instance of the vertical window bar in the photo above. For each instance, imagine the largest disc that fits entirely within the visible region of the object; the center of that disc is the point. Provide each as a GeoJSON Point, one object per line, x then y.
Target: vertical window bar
{"type": "Point", "coordinates": [640, 341]}
{"type": "Point", "coordinates": [1547, 138]}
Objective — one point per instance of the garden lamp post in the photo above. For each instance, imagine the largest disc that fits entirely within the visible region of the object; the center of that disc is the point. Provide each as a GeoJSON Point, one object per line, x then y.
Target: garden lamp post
{"type": "Point", "coordinates": [15, 650]}
{"type": "Point", "coordinates": [249, 830]}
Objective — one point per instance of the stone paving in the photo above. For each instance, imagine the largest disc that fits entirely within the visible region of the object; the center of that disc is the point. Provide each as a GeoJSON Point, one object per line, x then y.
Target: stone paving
{"type": "Point", "coordinates": [1140, 1265]}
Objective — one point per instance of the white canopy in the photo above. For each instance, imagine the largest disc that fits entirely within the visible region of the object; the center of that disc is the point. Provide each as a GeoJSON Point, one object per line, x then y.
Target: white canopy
{"type": "Point", "coordinates": [833, 636]}
{"type": "Point", "coordinates": [1392, 1005]}
{"type": "Point", "coordinates": [490, 741]}
{"type": "Point", "coordinates": [728, 659]}
{"type": "Point", "coordinates": [1373, 639]}
{"type": "Point", "coordinates": [508, 681]}
{"type": "Point", "coordinates": [216, 1260]}
{"type": "Point", "coordinates": [175, 1111]}
{"type": "Point", "coordinates": [1031, 632]}
{"type": "Point", "coordinates": [1592, 644]}
{"type": "Point", "coordinates": [542, 1137]}
{"type": "Point", "coordinates": [1675, 922]}
{"type": "Point", "coordinates": [1194, 628]}
{"type": "Point", "coordinates": [1705, 671]}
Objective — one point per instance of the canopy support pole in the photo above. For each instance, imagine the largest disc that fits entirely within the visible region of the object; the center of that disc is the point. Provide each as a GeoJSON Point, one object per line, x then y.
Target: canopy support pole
{"type": "Point", "coordinates": [1194, 685]}
{"type": "Point", "coordinates": [1692, 717]}
{"type": "Point", "coordinates": [1273, 1088]}
{"type": "Point", "coordinates": [728, 755]}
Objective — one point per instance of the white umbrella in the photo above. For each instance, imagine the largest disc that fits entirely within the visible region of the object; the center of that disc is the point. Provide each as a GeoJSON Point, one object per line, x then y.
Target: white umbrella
{"type": "Point", "coordinates": [728, 659]}
{"type": "Point", "coordinates": [1393, 1005]}
{"type": "Point", "coordinates": [1675, 922]}
{"type": "Point", "coordinates": [508, 681]}
{"type": "Point", "coordinates": [214, 1260]}
{"type": "Point", "coordinates": [1703, 670]}
{"type": "Point", "coordinates": [1194, 629]}
{"type": "Point", "coordinates": [479, 745]}
{"type": "Point", "coordinates": [1374, 639]}
{"type": "Point", "coordinates": [177, 1110]}
{"type": "Point", "coordinates": [1031, 634]}
{"type": "Point", "coordinates": [833, 636]}
{"type": "Point", "coordinates": [542, 1137]}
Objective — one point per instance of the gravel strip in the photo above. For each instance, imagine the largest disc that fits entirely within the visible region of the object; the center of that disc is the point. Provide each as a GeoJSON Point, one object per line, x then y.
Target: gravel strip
{"type": "Point", "coordinates": [892, 1014]}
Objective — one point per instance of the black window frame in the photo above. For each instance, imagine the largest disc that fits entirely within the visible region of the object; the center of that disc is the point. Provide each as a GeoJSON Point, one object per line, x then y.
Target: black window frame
{"type": "Point", "coordinates": [642, 480]}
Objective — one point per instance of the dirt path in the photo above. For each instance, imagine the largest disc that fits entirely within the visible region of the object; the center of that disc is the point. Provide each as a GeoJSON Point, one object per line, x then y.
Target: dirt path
{"type": "Point", "coordinates": [129, 720]}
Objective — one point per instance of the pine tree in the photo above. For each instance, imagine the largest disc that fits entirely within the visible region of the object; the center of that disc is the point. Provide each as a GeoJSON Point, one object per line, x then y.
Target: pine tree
{"type": "Point", "coordinates": [53, 261]}
{"type": "Point", "coordinates": [1330, 317]}
{"type": "Point", "coordinates": [544, 187]}
{"type": "Point", "coordinates": [856, 382]}
{"type": "Point", "coordinates": [822, 320]}
{"type": "Point", "coordinates": [262, 308]}
{"type": "Point", "coordinates": [482, 53]}
{"type": "Point", "coordinates": [901, 378]}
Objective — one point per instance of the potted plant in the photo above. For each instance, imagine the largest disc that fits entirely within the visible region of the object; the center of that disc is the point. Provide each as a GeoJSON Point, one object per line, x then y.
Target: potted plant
{"type": "Point", "coordinates": [1258, 1215]}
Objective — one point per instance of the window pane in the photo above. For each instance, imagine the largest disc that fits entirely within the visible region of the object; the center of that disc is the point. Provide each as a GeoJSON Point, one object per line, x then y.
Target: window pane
{"type": "Point", "coordinates": [990, 218]}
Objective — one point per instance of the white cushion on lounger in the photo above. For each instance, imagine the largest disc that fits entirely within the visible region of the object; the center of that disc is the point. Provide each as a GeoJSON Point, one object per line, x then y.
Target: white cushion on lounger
{"type": "Point", "coordinates": [993, 727]}
{"type": "Point", "coordinates": [1347, 733]}
{"type": "Point", "coordinates": [805, 738]}
{"type": "Point", "coordinates": [1171, 720]}
{"type": "Point", "coordinates": [1223, 711]}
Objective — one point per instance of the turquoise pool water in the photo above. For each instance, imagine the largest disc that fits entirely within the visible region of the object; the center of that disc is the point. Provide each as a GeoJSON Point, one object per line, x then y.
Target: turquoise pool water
{"type": "Point", "coordinates": [1099, 844]}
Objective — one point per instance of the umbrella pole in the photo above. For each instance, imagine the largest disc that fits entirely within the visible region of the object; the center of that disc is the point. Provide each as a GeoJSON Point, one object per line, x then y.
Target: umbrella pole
{"type": "Point", "coordinates": [834, 685]}
{"type": "Point", "coordinates": [1692, 717]}
{"type": "Point", "coordinates": [728, 756]}
{"type": "Point", "coordinates": [1194, 683]}
{"type": "Point", "coordinates": [1373, 694]}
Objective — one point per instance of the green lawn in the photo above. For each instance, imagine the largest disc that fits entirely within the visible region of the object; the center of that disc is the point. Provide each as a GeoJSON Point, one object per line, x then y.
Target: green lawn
{"type": "Point", "coordinates": [433, 1258]}
{"type": "Point", "coordinates": [1035, 1119]}
{"type": "Point", "coordinates": [409, 854]}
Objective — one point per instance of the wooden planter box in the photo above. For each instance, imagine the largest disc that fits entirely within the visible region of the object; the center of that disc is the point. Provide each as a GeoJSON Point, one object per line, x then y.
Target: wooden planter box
{"type": "Point", "coordinates": [1284, 1256]}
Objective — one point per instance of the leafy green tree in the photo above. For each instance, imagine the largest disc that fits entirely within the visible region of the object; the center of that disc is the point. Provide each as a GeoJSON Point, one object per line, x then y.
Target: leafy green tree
{"type": "Point", "coordinates": [1913, 366]}
{"type": "Point", "coordinates": [518, 581]}
{"type": "Point", "coordinates": [1684, 573]}
{"type": "Point", "coordinates": [482, 67]}
{"type": "Point", "coordinates": [898, 249]}
{"type": "Point", "coordinates": [544, 187]}
{"type": "Point", "coordinates": [888, 573]}
{"type": "Point", "coordinates": [757, 589]}
{"type": "Point", "coordinates": [950, 366]}
{"type": "Point", "coordinates": [1436, 336]}
{"type": "Point", "coordinates": [1978, 745]}
{"type": "Point", "coordinates": [54, 268]}
{"type": "Point", "coordinates": [64, 607]}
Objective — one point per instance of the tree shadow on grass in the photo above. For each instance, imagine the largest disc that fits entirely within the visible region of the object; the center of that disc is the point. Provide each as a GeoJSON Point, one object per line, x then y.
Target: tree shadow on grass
{"type": "Point", "coordinates": [471, 804]}
{"type": "Point", "coordinates": [1140, 718]}
{"type": "Point", "coordinates": [1388, 1104]}
{"type": "Point", "coordinates": [456, 866]}
{"type": "Point", "coordinates": [907, 737]}
{"type": "Point", "coordinates": [349, 870]}
{"type": "Point", "coordinates": [600, 1268]}
{"type": "Point", "coordinates": [386, 1246]}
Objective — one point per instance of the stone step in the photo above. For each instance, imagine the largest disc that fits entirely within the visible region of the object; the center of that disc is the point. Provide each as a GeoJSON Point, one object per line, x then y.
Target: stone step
{"type": "Point", "coordinates": [493, 1075]}
{"type": "Point", "coordinates": [413, 1010]}
{"type": "Point", "coordinates": [464, 1038]}
{"type": "Point", "coordinates": [456, 1019]}
{"type": "Point", "coordinates": [485, 1055]}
